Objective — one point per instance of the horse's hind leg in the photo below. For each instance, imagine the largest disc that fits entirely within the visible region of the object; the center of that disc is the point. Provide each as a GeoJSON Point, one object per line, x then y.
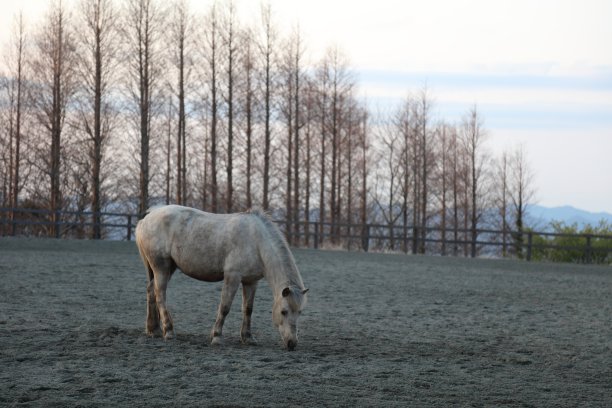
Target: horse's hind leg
{"type": "Point", "coordinates": [162, 277]}
{"type": "Point", "coordinates": [152, 328]}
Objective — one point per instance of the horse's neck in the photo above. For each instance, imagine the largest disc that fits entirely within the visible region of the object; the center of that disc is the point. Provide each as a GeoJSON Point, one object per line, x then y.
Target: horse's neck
{"type": "Point", "coordinates": [279, 269]}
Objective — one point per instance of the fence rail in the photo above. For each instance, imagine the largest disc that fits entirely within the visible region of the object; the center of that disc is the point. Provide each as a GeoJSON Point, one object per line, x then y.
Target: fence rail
{"type": "Point", "coordinates": [77, 224]}
{"type": "Point", "coordinates": [366, 237]}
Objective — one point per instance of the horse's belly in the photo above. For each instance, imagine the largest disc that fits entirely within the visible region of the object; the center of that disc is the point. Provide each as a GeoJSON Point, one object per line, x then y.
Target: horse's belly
{"type": "Point", "coordinates": [206, 276]}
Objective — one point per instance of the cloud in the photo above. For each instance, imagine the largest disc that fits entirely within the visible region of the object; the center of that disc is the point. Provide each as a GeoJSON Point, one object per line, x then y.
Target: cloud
{"type": "Point", "coordinates": [459, 35]}
{"type": "Point", "coordinates": [507, 101]}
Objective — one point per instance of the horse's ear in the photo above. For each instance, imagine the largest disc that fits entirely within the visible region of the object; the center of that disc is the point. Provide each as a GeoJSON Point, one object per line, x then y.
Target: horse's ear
{"type": "Point", "coordinates": [305, 291]}
{"type": "Point", "coordinates": [286, 292]}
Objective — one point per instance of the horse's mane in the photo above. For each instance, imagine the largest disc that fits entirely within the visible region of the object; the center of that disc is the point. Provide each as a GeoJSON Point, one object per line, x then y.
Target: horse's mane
{"type": "Point", "coordinates": [275, 233]}
{"type": "Point", "coordinates": [279, 243]}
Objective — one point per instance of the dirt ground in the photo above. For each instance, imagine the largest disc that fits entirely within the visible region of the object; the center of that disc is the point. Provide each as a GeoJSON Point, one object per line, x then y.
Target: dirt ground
{"type": "Point", "coordinates": [379, 330]}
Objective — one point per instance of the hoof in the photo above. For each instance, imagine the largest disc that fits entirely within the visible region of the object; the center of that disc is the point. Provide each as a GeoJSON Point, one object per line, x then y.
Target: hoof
{"type": "Point", "coordinates": [154, 333]}
{"type": "Point", "coordinates": [216, 341]}
{"type": "Point", "coordinates": [248, 340]}
{"type": "Point", "coordinates": [169, 335]}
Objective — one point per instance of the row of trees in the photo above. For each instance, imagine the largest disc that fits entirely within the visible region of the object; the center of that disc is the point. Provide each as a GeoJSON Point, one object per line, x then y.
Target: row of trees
{"type": "Point", "coordinates": [153, 103]}
{"type": "Point", "coordinates": [433, 174]}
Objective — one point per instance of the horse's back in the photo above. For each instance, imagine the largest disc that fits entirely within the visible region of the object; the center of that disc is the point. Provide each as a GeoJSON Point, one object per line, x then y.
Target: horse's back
{"type": "Point", "coordinates": [201, 244]}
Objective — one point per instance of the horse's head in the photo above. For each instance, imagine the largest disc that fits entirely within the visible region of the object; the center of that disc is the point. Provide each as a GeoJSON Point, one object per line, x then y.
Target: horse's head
{"type": "Point", "coordinates": [285, 313]}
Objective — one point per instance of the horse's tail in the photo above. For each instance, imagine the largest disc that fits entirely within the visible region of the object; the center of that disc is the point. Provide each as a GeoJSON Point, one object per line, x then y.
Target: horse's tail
{"type": "Point", "coordinates": [150, 275]}
{"type": "Point", "coordinates": [145, 261]}
{"type": "Point", "coordinates": [149, 211]}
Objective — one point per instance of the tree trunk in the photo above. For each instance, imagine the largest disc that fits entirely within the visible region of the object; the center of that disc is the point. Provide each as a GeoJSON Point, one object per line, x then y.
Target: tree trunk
{"type": "Point", "coordinates": [296, 144]}
{"type": "Point", "coordinates": [18, 108]}
{"type": "Point", "coordinates": [267, 54]}
{"type": "Point", "coordinates": [334, 162]}
{"type": "Point", "coordinates": [168, 153]}
{"type": "Point", "coordinates": [213, 123]}
{"type": "Point", "coordinates": [322, 178]}
{"type": "Point", "coordinates": [180, 146]}
{"type": "Point", "coordinates": [56, 123]}
{"type": "Point", "coordinates": [289, 169]}
{"type": "Point", "coordinates": [249, 133]}
{"type": "Point", "coordinates": [230, 112]}
{"type": "Point", "coordinates": [364, 177]}
{"type": "Point", "coordinates": [308, 171]}
{"type": "Point", "coordinates": [97, 140]}
{"type": "Point", "coordinates": [267, 138]}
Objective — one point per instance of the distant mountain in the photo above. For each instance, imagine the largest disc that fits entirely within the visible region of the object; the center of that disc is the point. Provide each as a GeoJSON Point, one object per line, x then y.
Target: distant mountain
{"type": "Point", "coordinates": [540, 216]}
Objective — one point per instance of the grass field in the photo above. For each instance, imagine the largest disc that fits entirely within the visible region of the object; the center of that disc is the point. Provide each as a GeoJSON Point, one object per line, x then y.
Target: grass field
{"type": "Point", "coordinates": [379, 330]}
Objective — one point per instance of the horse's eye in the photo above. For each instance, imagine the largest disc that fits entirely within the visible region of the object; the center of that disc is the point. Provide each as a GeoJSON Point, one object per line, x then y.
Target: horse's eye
{"type": "Point", "coordinates": [284, 313]}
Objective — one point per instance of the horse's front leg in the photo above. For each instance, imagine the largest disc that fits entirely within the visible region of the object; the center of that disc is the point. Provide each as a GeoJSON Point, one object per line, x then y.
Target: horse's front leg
{"type": "Point", "coordinates": [248, 297]}
{"type": "Point", "coordinates": [230, 286]}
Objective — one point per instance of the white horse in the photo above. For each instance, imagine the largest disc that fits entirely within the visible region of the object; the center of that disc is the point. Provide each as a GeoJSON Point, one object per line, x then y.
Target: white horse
{"type": "Point", "coordinates": [235, 248]}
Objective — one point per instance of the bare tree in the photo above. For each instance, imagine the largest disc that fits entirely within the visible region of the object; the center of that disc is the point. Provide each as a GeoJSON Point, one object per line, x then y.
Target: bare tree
{"type": "Point", "coordinates": [230, 35]}
{"type": "Point", "coordinates": [341, 85]}
{"type": "Point", "coordinates": [456, 168]}
{"type": "Point", "coordinates": [298, 123]}
{"type": "Point", "coordinates": [266, 48]}
{"type": "Point", "coordinates": [143, 31]}
{"type": "Point", "coordinates": [521, 193]}
{"type": "Point", "coordinates": [323, 85]}
{"type": "Point", "coordinates": [53, 73]}
{"type": "Point", "coordinates": [404, 127]}
{"type": "Point", "coordinates": [415, 152]}
{"type": "Point", "coordinates": [354, 141]}
{"type": "Point", "coordinates": [291, 74]}
{"type": "Point", "coordinates": [389, 178]}
{"type": "Point", "coordinates": [444, 176]}
{"type": "Point", "coordinates": [6, 146]}
{"type": "Point", "coordinates": [502, 196]}
{"type": "Point", "coordinates": [181, 30]}
{"type": "Point", "coordinates": [249, 100]}
{"type": "Point", "coordinates": [287, 109]}
{"type": "Point", "coordinates": [364, 167]}
{"type": "Point", "coordinates": [335, 102]}
{"type": "Point", "coordinates": [473, 137]}
{"type": "Point", "coordinates": [16, 109]}
{"type": "Point", "coordinates": [309, 124]}
{"type": "Point", "coordinates": [212, 39]}
{"type": "Point", "coordinates": [168, 152]}
{"type": "Point", "coordinates": [422, 108]}
{"type": "Point", "coordinates": [98, 47]}
{"type": "Point", "coordinates": [350, 147]}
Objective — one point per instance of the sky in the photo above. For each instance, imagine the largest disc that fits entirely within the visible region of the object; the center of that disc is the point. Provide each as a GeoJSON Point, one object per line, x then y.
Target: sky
{"type": "Point", "coordinates": [539, 72]}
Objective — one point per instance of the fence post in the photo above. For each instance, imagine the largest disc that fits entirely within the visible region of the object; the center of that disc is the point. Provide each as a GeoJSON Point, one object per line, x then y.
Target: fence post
{"type": "Point", "coordinates": [57, 223]}
{"type": "Point", "coordinates": [13, 222]}
{"type": "Point", "coordinates": [529, 243]}
{"type": "Point", "coordinates": [365, 238]}
{"type": "Point", "coordinates": [588, 249]}
{"type": "Point", "coordinates": [129, 227]}
{"type": "Point", "coordinates": [415, 235]}
{"type": "Point", "coordinates": [316, 235]}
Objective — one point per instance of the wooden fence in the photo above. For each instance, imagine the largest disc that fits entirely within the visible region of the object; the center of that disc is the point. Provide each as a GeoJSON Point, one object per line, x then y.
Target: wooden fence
{"type": "Point", "coordinates": [439, 241]}
{"type": "Point", "coordinates": [369, 237]}
{"type": "Point", "coordinates": [73, 224]}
